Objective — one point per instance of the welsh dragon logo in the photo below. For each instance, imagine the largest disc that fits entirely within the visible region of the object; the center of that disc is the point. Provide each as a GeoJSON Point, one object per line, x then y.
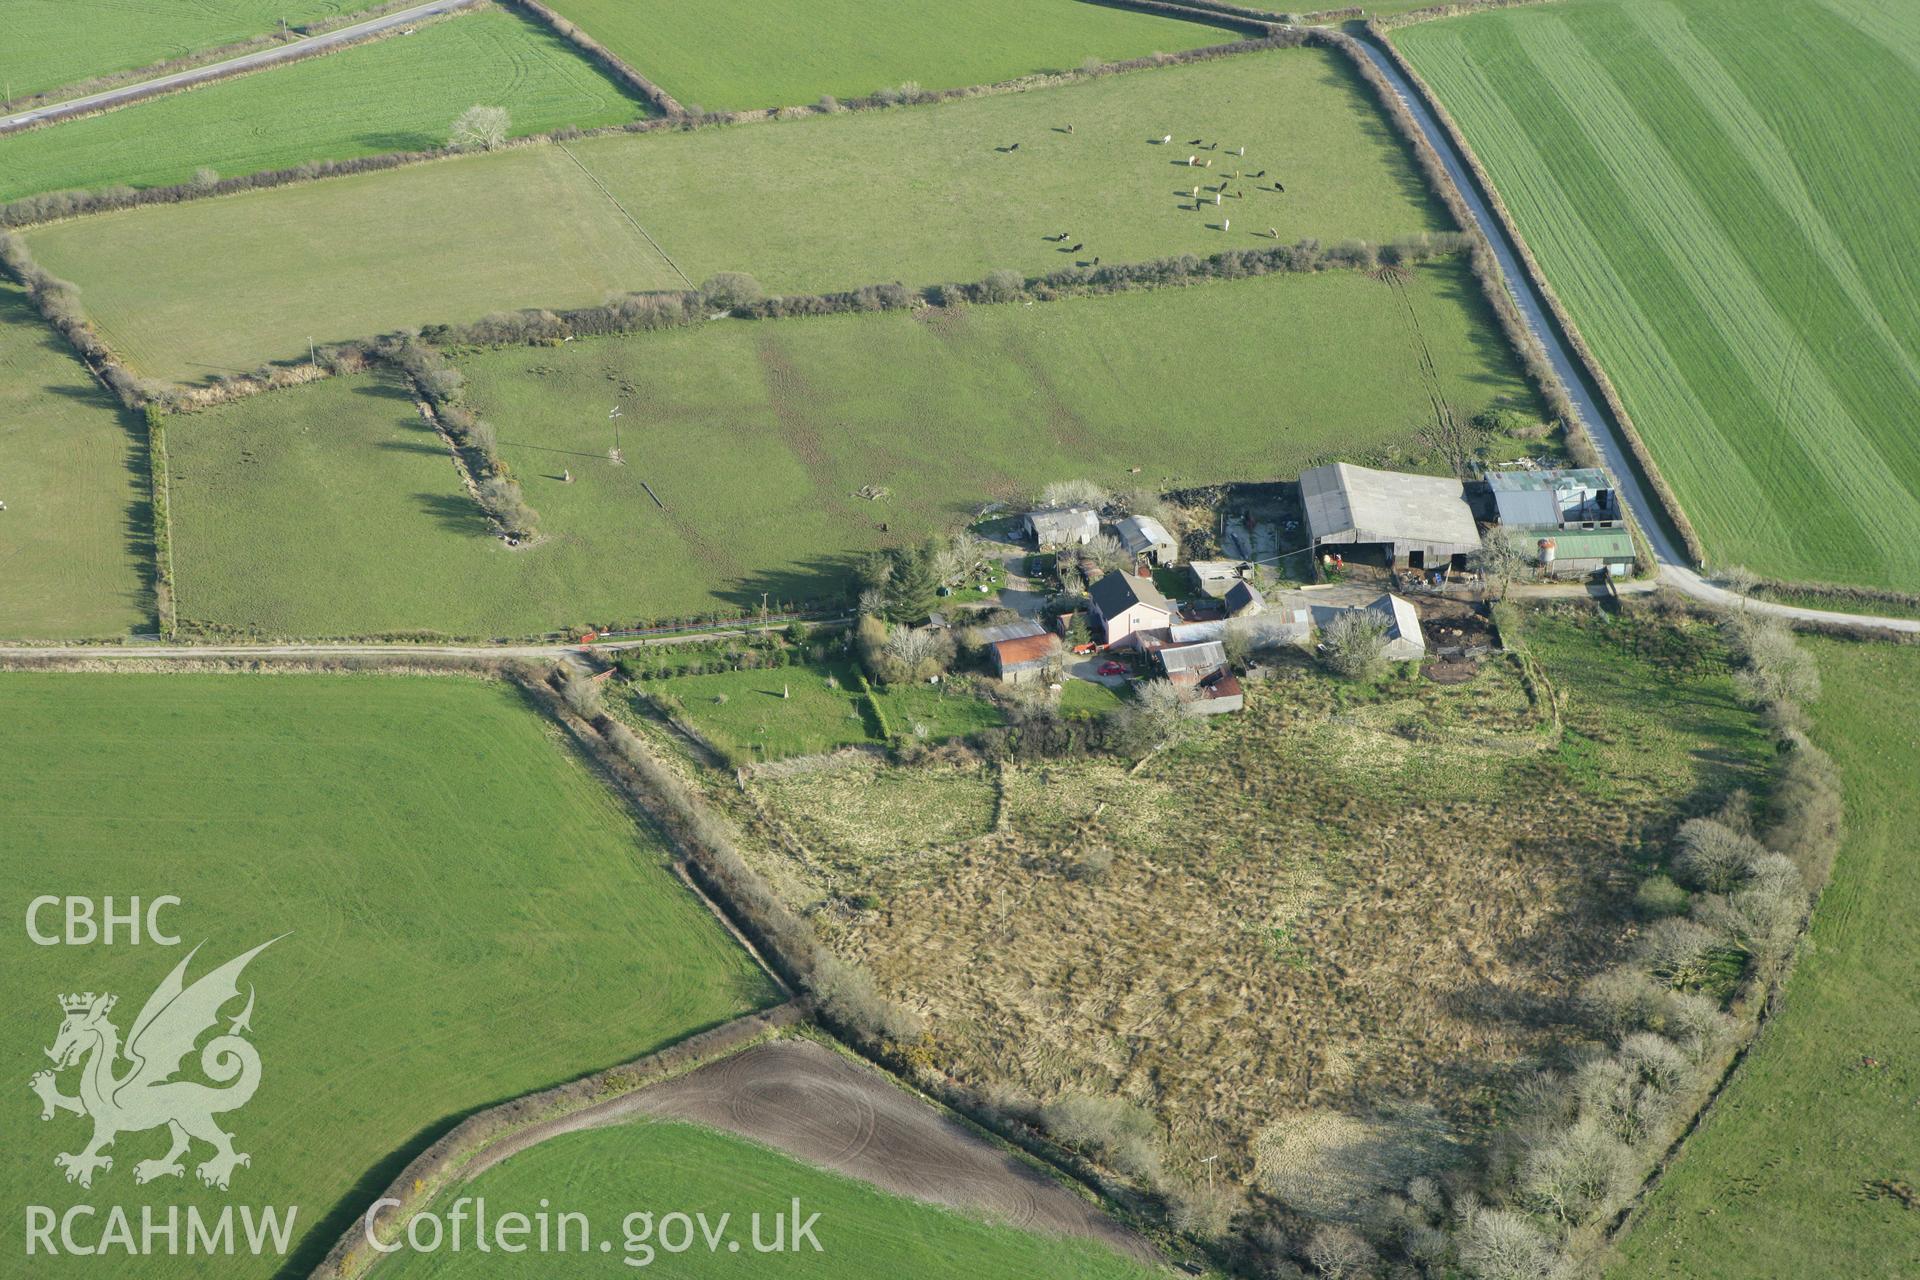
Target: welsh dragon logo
{"type": "Point", "coordinates": [146, 1095]}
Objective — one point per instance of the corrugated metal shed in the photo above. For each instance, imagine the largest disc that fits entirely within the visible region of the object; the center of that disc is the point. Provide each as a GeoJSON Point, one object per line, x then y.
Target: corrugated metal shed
{"type": "Point", "coordinates": [1205, 656]}
{"type": "Point", "coordinates": [1349, 504]}
{"type": "Point", "coordinates": [1017, 630]}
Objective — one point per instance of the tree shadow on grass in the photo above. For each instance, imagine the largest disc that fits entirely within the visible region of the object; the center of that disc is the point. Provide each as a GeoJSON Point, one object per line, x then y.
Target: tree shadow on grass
{"type": "Point", "coordinates": [397, 140]}
{"type": "Point", "coordinates": [411, 446]}
{"type": "Point", "coordinates": [826, 582]}
{"type": "Point", "coordinates": [139, 525]}
{"type": "Point", "coordinates": [455, 513]}
{"type": "Point", "coordinates": [382, 389]}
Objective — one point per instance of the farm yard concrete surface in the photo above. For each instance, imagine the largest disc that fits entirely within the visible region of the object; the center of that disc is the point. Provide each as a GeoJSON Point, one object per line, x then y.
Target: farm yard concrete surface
{"type": "Point", "coordinates": [599, 723]}
{"type": "Point", "coordinates": [915, 194]}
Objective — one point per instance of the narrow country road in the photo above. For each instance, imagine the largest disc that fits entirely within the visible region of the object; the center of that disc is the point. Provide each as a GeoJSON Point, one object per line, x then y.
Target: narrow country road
{"type": "Point", "coordinates": [215, 70]}
{"type": "Point", "coordinates": [1674, 570]}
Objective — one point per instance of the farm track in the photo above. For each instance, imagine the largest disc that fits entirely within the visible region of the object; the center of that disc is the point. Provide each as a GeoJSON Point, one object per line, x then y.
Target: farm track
{"type": "Point", "coordinates": [1674, 571]}
{"type": "Point", "coordinates": [125, 94]}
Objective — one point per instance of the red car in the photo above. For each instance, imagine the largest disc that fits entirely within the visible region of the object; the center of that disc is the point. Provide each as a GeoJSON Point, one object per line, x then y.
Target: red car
{"type": "Point", "coordinates": [1112, 669]}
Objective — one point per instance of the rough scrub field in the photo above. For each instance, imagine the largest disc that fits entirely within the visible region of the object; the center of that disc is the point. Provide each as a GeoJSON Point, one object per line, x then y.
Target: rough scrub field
{"type": "Point", "coordinates": [733, 55]}
{"type": "Point", "coordinates": [1713, 188]}
{"type": "Point", "coordinates": [863, 1233]}
{"type": "Point", "coordinates": [1798, 1168]}
{"type": "Point", "coordinates": [54, 43]}
{"type": "Point", "coordinates": [441, 867]}
{"type": "Point", "coordinates": [916, 194]}
{"type": "Point", "coordinates": [396, 94]}
{"type": "Point", "coordinates": [1351, 899]}
{"type": "Point", "coordinates": [332, 509]}
{"type": "Point", "coordinates": [76, 535]}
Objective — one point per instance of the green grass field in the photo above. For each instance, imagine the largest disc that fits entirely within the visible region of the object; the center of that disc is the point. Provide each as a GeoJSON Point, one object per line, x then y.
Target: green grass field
{"type": "Point", "coordinates": [669, 1167]}
{"type": "Point", "coordinates": [333, 509]}
{"type": "Point", "coordinates": [53, 43]}
{"type": "Point", "coordinates": [74, 539]}
{"type": "Point", "coordinates": [1715, 191]}
{"type": "Point", "coordinates": [396, 94]}
{"type": "Point", "coordinates": [1777, 1184]}
{"type": "Point", "coordinates": [469, 915]}
{"type": "Point", "coordinates": [800, 49]}
{"type": "Point", "coordinates": [778, 712]}
{"type": "Point", "coordinates": [919, 194]}
{"type": "Point", "coordinates": [237, 281]}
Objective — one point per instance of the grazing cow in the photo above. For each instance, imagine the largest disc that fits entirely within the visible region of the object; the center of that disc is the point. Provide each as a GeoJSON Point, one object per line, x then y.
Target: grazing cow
{"type": "Point", "coordinates": [1226, 224]}
{"type": "Point", "coordinates": [1216, 197]}
{"type": "Point", "coordinates": [1096, 259]}
{"type": "Point", "coordinates": [1261, 174]}
{"type": "Point", "coordinates": [1014, 147]}
{"type": "Point", "coordinates": [1274, 232]}
{"type": "Point", "coordinates": [1077, 248]}
{"type": "Point", "coordinates": [1193, 142]}
{"type": "Point", "coordinates": [1166, 139]}
{"type": "Point", "coordinates": [1241, 152]}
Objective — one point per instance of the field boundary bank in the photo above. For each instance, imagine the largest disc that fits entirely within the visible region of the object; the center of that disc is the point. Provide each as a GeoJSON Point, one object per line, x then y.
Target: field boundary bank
{"type": "Point", "coordinates": [59, 206]}
{"type": "Point", "coordinates": [215, 72]}
{"type": "Point", "coordinates": [448, 1159]}
{"type": "Point", "coordinates": [61, 94]}
{"type": "Point", "coordinates": [1589, 364]}
{"type": "Point", "coordinates": [605, 58]}
{"type": "Point", "coordinates": [160, 504]}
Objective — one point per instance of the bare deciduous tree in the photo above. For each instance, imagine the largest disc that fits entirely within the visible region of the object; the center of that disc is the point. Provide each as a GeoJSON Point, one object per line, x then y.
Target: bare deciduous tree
{"type": "Point", "coordinates": [1500, 1244]}
{"type": "Point", "coordinates": [730, 289]}
{"type": "Point", "coordinates": [1106, 552]}
{"type": "Point", "coordinates": [1356, 644]}
{"type": "Point", "coordinates": [1778, 672]}
{"type": "Point", "coordinates": [1497, 561]}
{"type": "Point", "coordinates": [1073, 493]}
{"type": "Point", "coordinates": [1575, 1175]}
{"type": "Point", "coordinates": [479, 127]}
{"type": "Point", "coordinates": [1714, 857]}
{"type": "Point", "coordinates": [1341, 1253]}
